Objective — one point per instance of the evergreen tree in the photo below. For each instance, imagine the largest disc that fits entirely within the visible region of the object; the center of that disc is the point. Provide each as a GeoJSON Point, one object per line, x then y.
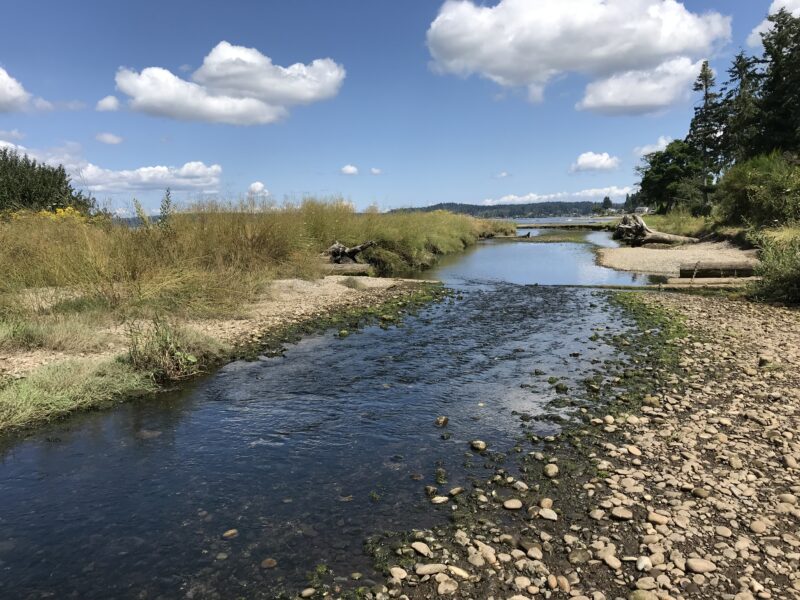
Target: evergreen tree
{"type": "Point", "coordinates": [741, 112]}
{"type": "Point", "coordinates": [780, 99]}
{"type": "Point", "coordinates": [665, 175]}
{"type": "Point", "coordinates": [706, 128]}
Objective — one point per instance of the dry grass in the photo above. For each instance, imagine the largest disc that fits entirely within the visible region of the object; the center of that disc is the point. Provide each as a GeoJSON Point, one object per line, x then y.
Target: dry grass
{"type": "Point", "coordinates": [679, 223]}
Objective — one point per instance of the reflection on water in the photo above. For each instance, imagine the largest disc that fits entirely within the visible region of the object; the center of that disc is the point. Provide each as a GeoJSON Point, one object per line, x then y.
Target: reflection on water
{"type": "Point", "coordinates": [305, 455]}
{"type": "Point", "coordinates": [532, 263]}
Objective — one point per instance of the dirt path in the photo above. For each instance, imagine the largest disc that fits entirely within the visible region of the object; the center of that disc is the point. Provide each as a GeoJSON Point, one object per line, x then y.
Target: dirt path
{"type": "Point", "coordinates": [667, 261]}
{"type": "Point", "coordinates": [287, 301]}
{"type": "Point", "coordinates": [693, 495]}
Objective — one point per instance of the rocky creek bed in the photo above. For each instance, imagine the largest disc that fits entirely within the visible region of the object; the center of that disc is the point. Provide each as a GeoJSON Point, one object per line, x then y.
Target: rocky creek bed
{"type": "Point", "coordinates": [678, 477]}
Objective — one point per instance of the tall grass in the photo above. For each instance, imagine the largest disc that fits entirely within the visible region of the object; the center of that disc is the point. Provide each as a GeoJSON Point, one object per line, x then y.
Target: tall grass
{"type": "Point", "coordinates": [211, 258]}
{"type": "Point", "coordinates": [679, 222]}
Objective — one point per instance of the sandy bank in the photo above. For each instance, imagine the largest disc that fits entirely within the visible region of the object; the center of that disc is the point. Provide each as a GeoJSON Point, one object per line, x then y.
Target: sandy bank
{"type": "Point", "coordinates": [667, 261]}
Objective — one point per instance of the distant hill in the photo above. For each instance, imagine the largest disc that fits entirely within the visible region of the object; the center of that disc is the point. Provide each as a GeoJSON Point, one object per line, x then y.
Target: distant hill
{"type": "Point", "coordinates": [515, 211]}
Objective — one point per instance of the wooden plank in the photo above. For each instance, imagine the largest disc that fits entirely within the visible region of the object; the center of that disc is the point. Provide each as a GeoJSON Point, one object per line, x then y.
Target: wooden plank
{"type": "Point", "coordinates": [705, 270]}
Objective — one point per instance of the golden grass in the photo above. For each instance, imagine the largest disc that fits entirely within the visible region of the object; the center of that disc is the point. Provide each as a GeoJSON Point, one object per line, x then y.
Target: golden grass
{"type": "Point", "coordinates": [679, 223]}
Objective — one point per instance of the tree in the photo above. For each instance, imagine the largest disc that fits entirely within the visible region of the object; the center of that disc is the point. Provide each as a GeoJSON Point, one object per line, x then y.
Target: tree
{"type": "Point", "coordinates": [780, 95]}
{"type": "Point", "coordinates": [607, 204]}
{"type": "Point", "coordinates": [665, 175]}
{"type": "Point", "coordinates": [741, 110]}
{"type": "Point", "coordinates": [26, 184]}
{"type": "Point", "coordinates": [707, 124]}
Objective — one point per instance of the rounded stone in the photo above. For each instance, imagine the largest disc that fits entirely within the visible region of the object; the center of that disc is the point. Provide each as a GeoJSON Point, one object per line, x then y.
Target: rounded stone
{"type": "Point", "coordinates": [230, 534]}
{"type": "Point", "coordinates": [269, 563]}
{"type": "Point", "coordinates": [513, 504]}
{"type": "Point", "coordinates": [621, 513]}
{"type": "Point", "coordinates": [700, 565]}
{"type": "Point", "coordinates": [478, 445]}
{"type": "Point", "coordinates": [550, 470]}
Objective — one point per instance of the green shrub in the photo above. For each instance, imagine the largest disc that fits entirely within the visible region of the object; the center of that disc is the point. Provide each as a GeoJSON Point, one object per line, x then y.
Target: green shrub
{"type": "Point", "coordinates": [761, 191]}
{"type": "Point", "coordinates": [168, 352]}
{"type": "Point", "coordinates": [31, 185]}
{"type": "Point", "coordinates": [779, 269]}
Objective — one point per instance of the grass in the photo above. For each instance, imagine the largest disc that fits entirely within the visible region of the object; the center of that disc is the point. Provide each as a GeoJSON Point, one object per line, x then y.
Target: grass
{"type": "Point", "coordinates": [679, 223]}
{"type": "Point", "coordinates": [65, 387]}
{"type": "Point", "coordinates": [552, 236]}
{"type": "Point", "coordinates": [60, 333]}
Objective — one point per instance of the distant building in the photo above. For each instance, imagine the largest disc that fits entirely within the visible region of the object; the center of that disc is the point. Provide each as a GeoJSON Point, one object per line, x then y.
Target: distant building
{"type": "Point", "coordinates": [642, 210]}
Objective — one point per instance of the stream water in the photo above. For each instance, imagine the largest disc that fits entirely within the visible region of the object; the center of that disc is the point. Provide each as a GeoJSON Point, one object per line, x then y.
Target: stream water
{"type": "Point", "coordinates": [307, 454]}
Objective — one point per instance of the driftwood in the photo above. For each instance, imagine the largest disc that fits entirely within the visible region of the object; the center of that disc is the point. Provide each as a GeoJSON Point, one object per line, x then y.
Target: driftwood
{"type": "Point", "coordinates": [633, 230]}
{"type": "Point", "coordinates": [340, 254]}
{"type": "Point", "coordinates": [705, 270]}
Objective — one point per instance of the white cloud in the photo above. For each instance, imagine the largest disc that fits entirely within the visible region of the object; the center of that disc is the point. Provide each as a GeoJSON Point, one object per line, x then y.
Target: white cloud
{"type": "Point", "coordinates": [527, 43]}
{"type": "Point", "coordinates": [13, 134]}
{"type": "Point", "coordinates": [13, 96]}
{"type": "Point", "coordinates": [192, 176]}
{"type": "Point", "coordinates": [793, 6]}
{"type": "Point", "coordinates": [257, 189]}
{"type": "Point", "coordinates": [108, 138]}
{"type": "Point", "coordinates": [582, 195]}
{"type": "Point", "coordinates": [375, 171]}
{"type": "Point", "coordinates": [502, 175]}
{"type": "Point", "coordinates": [234, 85]}
{"type": "Point", "coordinates": [107, 104]}
{"type": "Point", "coordinates": [349, 170]}
{"type": "Point", "coordinates": [661, 144]}
{"type": "Point", "coordinates": [592, 161]}
{"type": "Point", "coordinates": [640, 92]}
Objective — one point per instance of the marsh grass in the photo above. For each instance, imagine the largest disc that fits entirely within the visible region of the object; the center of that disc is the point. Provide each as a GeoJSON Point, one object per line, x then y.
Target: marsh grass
{"type": "Point", "coordinates": [679, 222]}
{"type": "Point", "coordinates": [61, 388]}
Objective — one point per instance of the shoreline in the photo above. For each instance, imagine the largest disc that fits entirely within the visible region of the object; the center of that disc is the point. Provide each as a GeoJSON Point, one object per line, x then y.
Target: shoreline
{"type": "Point", "coordinates": [290, 309]}
{"type": "Point", "coordinates": [679, 480]}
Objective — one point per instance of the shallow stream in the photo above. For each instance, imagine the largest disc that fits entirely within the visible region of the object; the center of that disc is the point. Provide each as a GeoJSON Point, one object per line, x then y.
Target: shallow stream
{"type": "Point", "coordinates": [306, 454]}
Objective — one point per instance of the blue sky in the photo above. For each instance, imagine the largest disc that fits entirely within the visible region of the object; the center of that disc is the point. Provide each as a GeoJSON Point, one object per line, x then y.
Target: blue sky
{"type": "Point", "coordinates": [451, 102]}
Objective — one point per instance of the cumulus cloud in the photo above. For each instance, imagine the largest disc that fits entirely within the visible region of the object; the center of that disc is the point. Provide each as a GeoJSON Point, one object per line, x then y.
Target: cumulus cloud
{"type": "Point", "coordinates": [234, 85]}
{"type": "Point", "coordinates": [793, 6]}
{"type": "Point", "coordinates": [589, 194]}
{"type": "Point", "coordinates": [640, 92]}
{"type": "Point", "coordinates": [13, 96]}
{"type": "Point", "coordinates": [376, 171]}
{"type": "Point", "coordinates": [527, 44]}
{"type": "Point", "coordinates": [192, 176]}
{"type": "Point", "coordinates": [502, 175]}
{"type": "Point", "coordinates": [349, 170]}
{"type": "Point", "coordinates": [12, 134]}
{"type": "Point", "coordinates": [592, 161]}
{"type": "Point", "coordinates": [107, 104]}
{"type": "Point", "coordinates": [108, 138]}
{"type": "Point", "coordinates": [661, 144]}
{"type": "Point", "coordinates": [257, 189]}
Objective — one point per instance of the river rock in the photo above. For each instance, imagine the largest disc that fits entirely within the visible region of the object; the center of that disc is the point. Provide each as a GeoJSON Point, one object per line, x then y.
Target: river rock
{"type": "Point", "coordinates": [308, 592]}
{"type": "Point", "coordinates": [439, 499]}
{"type": "Point", "coordinates": [422, 548]}
{"type": "Point", "coordinates": [447, 587]}
{"type": "Point", "coordinates": [269, 563]}
{"type": "Point", "coordinates": [398, 573]}
{"type": "Point", "coordinates": [430, 569]}
{"type": "Point", "coordinates": [620, 513]}
{"type": "Point", "coordinates": [230, 534]}
{"type": "Point", "coordinates": [700, 565]}
{"type": "Point", "coordinates": [550, 470]}
{"type": "Point", "coordinates": [548, 514]}
{"type": "Point", "coordinates": [513, 504]}
{"type": "Point", "coordinates": [441, 421]}
{"type": "Point", "coordinates": [478, 445]}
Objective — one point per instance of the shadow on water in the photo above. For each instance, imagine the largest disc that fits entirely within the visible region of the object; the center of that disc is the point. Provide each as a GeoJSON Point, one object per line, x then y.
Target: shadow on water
{"type": "Point", "coordinates": [305, 455]}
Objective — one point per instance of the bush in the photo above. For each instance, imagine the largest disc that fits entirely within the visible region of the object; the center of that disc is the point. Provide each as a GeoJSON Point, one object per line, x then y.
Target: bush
{"type": "Point", "coordinates": [761, 191]}
{"type": "Point", "coordinates": [779, 269]}
{"type": "Point", "coordinates": [30, 185]}
{"type": "Point", "coordinates": [169, 353]}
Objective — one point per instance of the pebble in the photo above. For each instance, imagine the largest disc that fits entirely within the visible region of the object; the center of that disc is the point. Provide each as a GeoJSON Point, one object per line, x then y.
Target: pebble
{"type": "Point", "coordinates": [478, 445]}
{"type": "Point", "coordinates": [230, 534]}
{"type": "Point", "coordinates": [550, 470]}
{"type": "Point", "coordinates": [657, 518]}
{"type": "Point", "coordinates": [758, 526]}
{"type": "Point", "coordinates": [269, 563]}
{"type": "Point", "coordinates": [308, 592]}
{"type": "Point", "coordinates": [548, 514]}
{"type": "Point", "coordinates": [699, 565]}
{"type": "Point", "coordinates": [398, 573]}
{"type": "Point", "coordinates": [422, 548]}
{"type": "Point", "coordinates": [513, 504]}
{"type": "Point", "coordinates": [621, 513]}
{"type": "Point", "coordinates": [430, 569]}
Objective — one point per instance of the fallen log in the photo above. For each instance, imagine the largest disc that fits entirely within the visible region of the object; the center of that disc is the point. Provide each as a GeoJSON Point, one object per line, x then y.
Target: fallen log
{"type": "Point", "coordinates": [339, 254]}
{"type": "Point", "coordinates": [705, 270]}
{"type": "Point", "coordinates": [633, 230]}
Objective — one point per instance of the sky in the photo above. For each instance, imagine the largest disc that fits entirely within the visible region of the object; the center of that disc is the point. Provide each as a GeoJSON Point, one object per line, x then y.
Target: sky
{"type": "Point", "coordinates": [379, 102]}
